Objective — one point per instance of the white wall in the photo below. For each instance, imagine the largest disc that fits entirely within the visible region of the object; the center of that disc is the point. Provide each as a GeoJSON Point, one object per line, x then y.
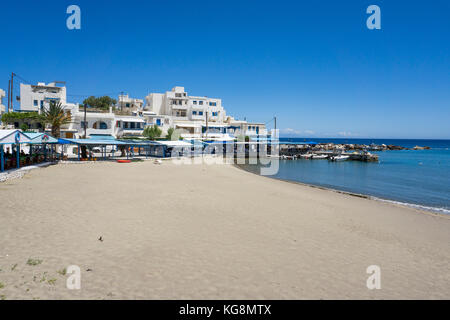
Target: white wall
{"type": "Point", "coordinates": [29, 93]}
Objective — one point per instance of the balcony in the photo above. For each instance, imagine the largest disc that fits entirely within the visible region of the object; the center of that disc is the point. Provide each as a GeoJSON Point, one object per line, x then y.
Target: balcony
{"type": "Point", "coordinates": [91, 131]}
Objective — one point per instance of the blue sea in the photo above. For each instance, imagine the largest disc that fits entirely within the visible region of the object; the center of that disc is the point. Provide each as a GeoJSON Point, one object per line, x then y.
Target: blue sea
{"type": "Point", "coordinates": [419, 178]}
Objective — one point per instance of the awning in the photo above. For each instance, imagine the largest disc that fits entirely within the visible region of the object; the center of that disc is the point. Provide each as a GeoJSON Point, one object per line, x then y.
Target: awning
{"type": "Point", "coordinates": [102, 137]}
{"type": "Point", "coordinates": [91, 142]}
{"type": "Point", "coordinates": [175, 143]}
{"type": "Point", "coordinates": [129, 120]}
{"type": "Point", "coordinates": [41, 138]}
{"type": "Point", "coordinates": [13, 136]}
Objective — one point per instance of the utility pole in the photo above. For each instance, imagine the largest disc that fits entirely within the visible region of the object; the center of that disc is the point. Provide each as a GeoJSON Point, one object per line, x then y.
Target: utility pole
{"type": "Point", "coordinates": [275, 118]}
{"type": "Point", "coordinates": [84, 122]}
{"type": "Point", "coordinates": [9, 93]}
{"type": "Point", "coordinates": [12, 91]}
{"type": "Point", "coordinates": [206, 132]}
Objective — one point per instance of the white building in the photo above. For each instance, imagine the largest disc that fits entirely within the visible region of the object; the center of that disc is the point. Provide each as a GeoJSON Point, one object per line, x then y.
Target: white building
{"type": "Point", "coordinates": [125, 103]}
{"type": "Point", "coordinates": [37, 97]}
{"type": "Point", "coordinates": [101, 124]}
{"type": "Point", "coordinates": [2, 107]}
{"type": "Point", "coordinates": [196, 116]}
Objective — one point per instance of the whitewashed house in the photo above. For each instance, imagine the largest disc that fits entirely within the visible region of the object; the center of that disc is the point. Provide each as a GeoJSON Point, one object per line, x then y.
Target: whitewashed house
{"type": "Point", "coordinates": [37, 97]}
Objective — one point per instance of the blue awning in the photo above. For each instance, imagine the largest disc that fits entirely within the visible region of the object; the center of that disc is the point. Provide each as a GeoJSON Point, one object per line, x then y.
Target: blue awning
{"type": "Point", "coordinates": [102, 137]}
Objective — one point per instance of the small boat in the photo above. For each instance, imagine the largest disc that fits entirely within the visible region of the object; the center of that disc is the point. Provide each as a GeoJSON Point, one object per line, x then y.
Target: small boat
{"type": "Point", "coordinates": [339, 158]}
{"type": "Point", "coordinates": [306, 156]}
{"type": "Point", "coordinates": [319, 156]}
{"type": "Point", "coordinates": [123, 161]}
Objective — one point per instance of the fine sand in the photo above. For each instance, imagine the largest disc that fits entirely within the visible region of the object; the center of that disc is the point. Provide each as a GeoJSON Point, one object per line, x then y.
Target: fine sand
{"type": "Point", "coordinates": [209, 232]}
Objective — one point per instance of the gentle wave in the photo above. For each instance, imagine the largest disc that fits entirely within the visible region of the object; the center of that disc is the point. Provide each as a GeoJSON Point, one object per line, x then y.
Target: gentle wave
{"type": "Point", "coordinates": [416, 206]}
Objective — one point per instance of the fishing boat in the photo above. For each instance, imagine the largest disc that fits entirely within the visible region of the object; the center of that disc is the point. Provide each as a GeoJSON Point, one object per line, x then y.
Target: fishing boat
{"type": "Point", "coordinates": [319, 156]}
{"type": "Point", "coordinates": [339, 158]}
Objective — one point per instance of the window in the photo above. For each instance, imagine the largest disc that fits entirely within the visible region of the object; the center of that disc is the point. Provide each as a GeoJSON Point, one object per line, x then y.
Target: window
{"type": "Point", "coordinates": [118, 124]}
{"type": "Point", "coordinates": [158, 122]}
{"type": "Point", "coordinates": [42, 103]}
{"type": "Point", "coordinates": [194, 113]}
{"type": "Point", "coordinates": [35, 103]}
{"type": "Point", "coordinates": [194, 102]}
{"type": "Point", "coordinates": [103, 126]}
{"type": "Point", "coordinates": [200, 103]}
{"type": "Point", "coordinates": [200, 113]}
{"type": "Point", "coordinates": [83, 123]}
{"type": "Point", "coordinates": [215, 114]}
{"type": "Point", "coordinates": [213, 104]}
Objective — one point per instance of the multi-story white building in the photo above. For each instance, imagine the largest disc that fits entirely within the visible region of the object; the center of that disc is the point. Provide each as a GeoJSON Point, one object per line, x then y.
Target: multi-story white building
{"type": "Point", "coordinates": [196, 116]}
{"type": "Point", "coordinates": [37, 97]}
{"type": "Point", "coordinates": [100, 124]}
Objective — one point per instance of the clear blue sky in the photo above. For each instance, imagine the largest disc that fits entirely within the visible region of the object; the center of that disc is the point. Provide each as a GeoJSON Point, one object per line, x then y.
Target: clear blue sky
{"type": "Point", "coordinates": [314, 64]}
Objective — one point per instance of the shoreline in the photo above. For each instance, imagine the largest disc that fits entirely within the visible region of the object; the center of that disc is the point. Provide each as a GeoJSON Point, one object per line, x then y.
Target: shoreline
{"type": "Point", "coordinates": [417, 207]}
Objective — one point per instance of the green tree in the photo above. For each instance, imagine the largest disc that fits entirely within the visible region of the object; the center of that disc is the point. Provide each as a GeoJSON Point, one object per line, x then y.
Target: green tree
{"type": "Point", "coordinates": [24, 127]}
{"type": "Point", "coordinates": [101, 102]}
{"type": "Point", "coordinates": [56, 116]}
{"type": "Point", "coordinates": [152, 132]}
{"type": "Point", "coordinates": [22, 118]}
{"type": "Point", "coordinates": [170, 133]}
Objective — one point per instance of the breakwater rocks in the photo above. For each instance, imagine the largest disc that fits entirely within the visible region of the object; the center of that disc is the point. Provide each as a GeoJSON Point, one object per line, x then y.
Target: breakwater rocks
{"type": "Point", "coordinates": [336, 152]}
{"type": "Point", "coordinates": [346, 147]}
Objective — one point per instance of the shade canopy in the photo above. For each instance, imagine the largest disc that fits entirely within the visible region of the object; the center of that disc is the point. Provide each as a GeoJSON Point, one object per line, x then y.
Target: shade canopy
{"type": "Point", "coordinates": [13, 136]}
{"type": "Point", "coordinates": [91, 142]}
{"type": "Point", "coordinates": [41, 138]}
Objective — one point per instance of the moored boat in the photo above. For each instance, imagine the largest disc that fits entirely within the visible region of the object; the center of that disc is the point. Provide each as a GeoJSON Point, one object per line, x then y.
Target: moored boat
{"type": "Point", "coordinates": [319, 156]}
{"type": "Point", "coordinates": [339, 158]}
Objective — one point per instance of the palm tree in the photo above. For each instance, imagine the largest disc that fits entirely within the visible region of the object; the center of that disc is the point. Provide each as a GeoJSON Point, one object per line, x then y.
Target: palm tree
{"type": "Point", "coordinates": [56, 117]}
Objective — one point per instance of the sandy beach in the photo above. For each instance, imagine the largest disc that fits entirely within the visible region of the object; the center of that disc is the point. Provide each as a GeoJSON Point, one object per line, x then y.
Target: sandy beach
{"type": "Point", "coordinates": [209, 232]}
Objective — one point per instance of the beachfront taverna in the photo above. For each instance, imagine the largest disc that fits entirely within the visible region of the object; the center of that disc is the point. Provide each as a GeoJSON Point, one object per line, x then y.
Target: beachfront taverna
{"type": "Point", "coordinates": [196, 117]}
